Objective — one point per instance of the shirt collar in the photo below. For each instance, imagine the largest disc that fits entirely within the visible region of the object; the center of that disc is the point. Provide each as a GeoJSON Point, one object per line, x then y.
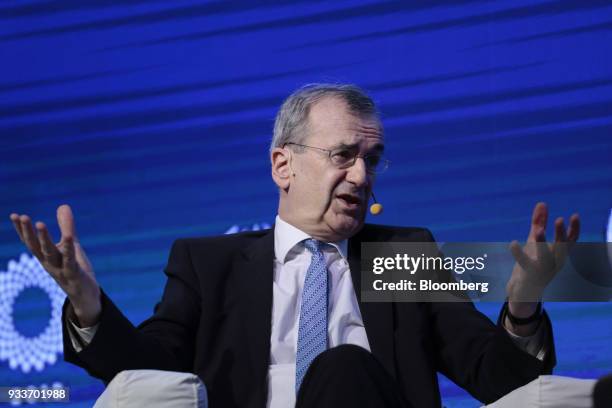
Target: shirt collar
{"type": "Point", "coordinates": [286, 237]}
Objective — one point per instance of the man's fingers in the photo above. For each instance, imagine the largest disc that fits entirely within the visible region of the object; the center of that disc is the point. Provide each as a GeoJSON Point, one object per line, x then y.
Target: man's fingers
{"type": "Point", "coordinates": [17, 225]}
{"type": "Point", "coordinates": [67, 250]}
{"type": "Point", "coordinates": [81, 258]}
{"type": "Point", "coordinates": [65, 219]}
{"type": "Point", "coordinates": [539, 218]}
{"type": "Point", "coordinates": [48, 248]}
{"type": "Point", "coordinates": [29, 236]}
{"type": "Point", "coordinates": [559, 247]}
{"type": "Point", "coordinates": [520, 256]}
{"type": "Point", "coordinates": [560, 235]}
{"type": "Point", "coordinates": [574, 228]}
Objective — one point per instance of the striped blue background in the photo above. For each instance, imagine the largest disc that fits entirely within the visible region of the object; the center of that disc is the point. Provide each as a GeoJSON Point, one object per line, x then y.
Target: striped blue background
{"type": "Point", "coordinates": [152, 119]}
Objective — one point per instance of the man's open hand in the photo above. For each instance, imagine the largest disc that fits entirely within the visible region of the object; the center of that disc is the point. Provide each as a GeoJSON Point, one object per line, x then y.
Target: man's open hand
{"type": "Point", "coordinates": [538, 262]}
{"type": "Point", "coordinates": [65, 261]}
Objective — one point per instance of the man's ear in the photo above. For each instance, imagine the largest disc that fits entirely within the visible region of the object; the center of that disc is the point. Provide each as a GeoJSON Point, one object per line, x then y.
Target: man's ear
{"type": "Point", "coordinates": [281, 167]}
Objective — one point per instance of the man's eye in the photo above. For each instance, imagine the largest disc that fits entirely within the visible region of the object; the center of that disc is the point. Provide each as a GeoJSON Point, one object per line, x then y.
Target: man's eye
{"type": "Point", "coordinates": [373, 161]}
{"type": "Point", "coordinates": [342, 155]}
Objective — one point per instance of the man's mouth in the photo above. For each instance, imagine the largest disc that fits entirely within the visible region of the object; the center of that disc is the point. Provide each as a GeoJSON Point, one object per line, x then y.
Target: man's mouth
{"type": "Point", "coordinates": [350, 201]}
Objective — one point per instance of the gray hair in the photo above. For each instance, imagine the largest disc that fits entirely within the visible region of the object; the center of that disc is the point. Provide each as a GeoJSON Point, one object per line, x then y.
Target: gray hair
{"type": "Point", "coordinates": [292, 117]}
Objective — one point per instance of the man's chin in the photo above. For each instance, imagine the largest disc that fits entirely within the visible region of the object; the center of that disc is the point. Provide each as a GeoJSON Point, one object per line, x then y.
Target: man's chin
{"type": "Point", "coordinates": [347, 225]}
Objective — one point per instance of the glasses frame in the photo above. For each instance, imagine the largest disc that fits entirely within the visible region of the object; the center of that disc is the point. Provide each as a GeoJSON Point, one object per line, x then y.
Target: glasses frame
{"type": "Point", "coordinates": [383, 164]}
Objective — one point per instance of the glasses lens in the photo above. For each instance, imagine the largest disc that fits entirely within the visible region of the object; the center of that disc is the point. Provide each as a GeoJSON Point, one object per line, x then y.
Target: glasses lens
{"type": "Point", "coordinates": [376, 164]}
{"type": "Point", "coordinates": [342, 157]}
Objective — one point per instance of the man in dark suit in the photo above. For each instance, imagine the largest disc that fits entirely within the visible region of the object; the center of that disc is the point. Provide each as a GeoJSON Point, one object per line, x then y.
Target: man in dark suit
{"type": "Point", "coordinates": [266, 318]}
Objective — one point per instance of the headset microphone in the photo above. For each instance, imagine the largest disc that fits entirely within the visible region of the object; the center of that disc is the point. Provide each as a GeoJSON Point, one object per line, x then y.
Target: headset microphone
{"type": "Point", "coordinates": [376, 208]}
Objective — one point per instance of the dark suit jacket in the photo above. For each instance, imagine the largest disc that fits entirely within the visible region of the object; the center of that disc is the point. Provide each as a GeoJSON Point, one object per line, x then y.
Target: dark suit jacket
{"type": "Point", "coordinates": [214, 320]}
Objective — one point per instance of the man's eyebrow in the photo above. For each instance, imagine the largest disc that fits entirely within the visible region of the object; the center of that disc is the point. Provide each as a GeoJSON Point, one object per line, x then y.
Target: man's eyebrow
{"type": "Point", "coordinates": [379, 147]}
{"type": "Point", "coordinates": [346, 146]}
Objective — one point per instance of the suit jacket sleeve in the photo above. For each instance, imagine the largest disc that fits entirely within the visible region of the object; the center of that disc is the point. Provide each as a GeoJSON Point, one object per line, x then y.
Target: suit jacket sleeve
{"type": "Point", "coordinates": [163, 342]}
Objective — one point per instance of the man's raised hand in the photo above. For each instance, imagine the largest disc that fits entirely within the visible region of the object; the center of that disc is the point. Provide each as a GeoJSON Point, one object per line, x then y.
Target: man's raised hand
{"type": "Point", "coordinates": [65, 261]}
{"type": "Point", "coordinates": [537, 263]}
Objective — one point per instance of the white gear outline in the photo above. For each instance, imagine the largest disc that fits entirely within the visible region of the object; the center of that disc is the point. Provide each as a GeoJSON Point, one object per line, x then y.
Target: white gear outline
{"type": "Point", "coordinates": [22, 352]}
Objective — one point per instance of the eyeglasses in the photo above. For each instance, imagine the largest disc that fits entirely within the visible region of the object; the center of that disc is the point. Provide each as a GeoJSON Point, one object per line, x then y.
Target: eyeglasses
{"type": "Point", "coordinates": [344, 158]}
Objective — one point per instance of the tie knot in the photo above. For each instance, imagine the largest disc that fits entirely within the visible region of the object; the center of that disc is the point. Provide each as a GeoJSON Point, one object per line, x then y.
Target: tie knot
{"type": "Point", "coordinates": [313, 245]}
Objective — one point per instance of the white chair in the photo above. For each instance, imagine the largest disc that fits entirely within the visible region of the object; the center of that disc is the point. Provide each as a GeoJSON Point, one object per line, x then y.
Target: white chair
{"type": "Point", "coordinates": [153, 389]}
{"type": "Point", "coordinates": [157, 389]}
{"type": "Point", "coordinates": [550, 391]}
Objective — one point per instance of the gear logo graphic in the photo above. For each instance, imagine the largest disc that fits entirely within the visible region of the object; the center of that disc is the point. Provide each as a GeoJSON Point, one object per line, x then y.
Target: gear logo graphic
{"type": "Point", "coordinates": [27, 353]}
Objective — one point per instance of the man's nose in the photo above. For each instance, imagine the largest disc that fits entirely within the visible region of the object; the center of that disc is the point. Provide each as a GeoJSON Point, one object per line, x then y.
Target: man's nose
{"type": "Point", "coordinates": [357, 173]}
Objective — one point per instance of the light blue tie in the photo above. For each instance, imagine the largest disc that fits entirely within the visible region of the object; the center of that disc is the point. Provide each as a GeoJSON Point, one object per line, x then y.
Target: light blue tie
{"type": "Point", "coordinates": [312, 331]}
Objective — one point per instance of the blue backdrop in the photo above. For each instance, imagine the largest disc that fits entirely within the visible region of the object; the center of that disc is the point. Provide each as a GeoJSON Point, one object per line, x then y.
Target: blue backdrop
{"type": "Point", "coordinates": [153, 119]}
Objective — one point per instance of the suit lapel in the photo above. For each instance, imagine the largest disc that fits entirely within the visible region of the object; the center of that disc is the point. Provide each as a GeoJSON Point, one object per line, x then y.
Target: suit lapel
{"type": "Point", "coordinates": [377, 316]}
{"type": "Point", "coordinates": [258, 261]}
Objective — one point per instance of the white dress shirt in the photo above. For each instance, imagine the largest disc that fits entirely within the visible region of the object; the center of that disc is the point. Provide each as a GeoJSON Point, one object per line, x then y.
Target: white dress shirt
{"type": "Point", "coordinates": [345, 324]}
